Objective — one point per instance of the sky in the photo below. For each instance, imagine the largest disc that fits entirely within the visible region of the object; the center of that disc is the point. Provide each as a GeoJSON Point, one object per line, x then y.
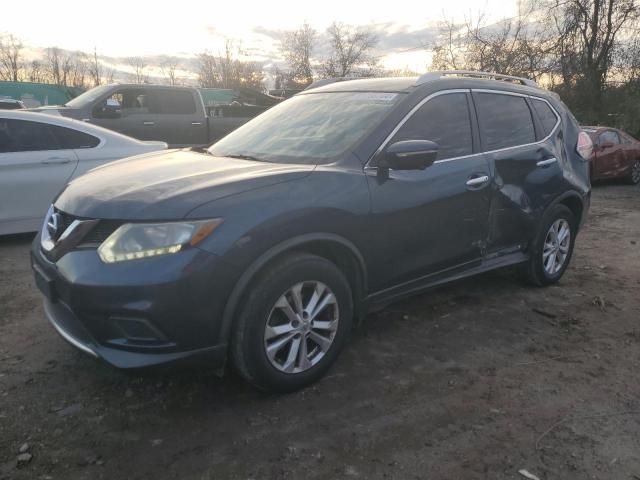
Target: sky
{"type": "Point", "coordinates": [123, 28]}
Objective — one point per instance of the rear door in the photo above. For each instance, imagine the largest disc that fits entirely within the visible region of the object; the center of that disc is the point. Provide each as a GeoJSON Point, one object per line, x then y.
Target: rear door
{"type": "Point", "coordinates": [85, 147]}
{"type": "Point", "coordinates": [34, 167]}
{"type": "Point", "coordinates": [432, 219]}
{"type": "Point", "coordinates": [524, 154]}
{"type": "Point", "coordinates": [180, 120]}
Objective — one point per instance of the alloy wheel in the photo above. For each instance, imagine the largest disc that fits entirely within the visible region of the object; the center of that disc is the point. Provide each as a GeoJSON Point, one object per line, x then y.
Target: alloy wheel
{"type": "Point", "coordinates": [556, 246]}
{"type": "Point", "coordinates": [635, 172]}
{"type": "Point", "coordinates": [301, 327]}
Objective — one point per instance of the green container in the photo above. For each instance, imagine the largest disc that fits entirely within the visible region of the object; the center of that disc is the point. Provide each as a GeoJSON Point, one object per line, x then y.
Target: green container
{"type": "Point", "coordinates": [38, 94]}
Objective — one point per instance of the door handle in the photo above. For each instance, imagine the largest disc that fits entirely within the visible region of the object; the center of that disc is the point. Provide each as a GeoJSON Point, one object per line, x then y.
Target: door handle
{"type": "Point", "coordinates": [55, 161]}
{"type": "Point", "coordinates": [196, 123]}
{"type": "Point", "coordinates": [149, 124]}
{"type": "Point", "coordinates": [548, 161]}
{"type": "Point", "coordinates": [474, 182]}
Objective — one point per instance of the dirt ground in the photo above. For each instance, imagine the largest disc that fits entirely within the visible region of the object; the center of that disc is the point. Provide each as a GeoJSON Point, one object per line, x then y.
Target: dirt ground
{"type": "Point", "coordinates": [479, 379]}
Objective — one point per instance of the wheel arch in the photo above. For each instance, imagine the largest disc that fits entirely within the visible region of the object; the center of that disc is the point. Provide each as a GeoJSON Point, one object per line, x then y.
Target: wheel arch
{"type": "Point", "coordinates": [574, 202]}
{"type": "Point", "coordinates": [335, 248]}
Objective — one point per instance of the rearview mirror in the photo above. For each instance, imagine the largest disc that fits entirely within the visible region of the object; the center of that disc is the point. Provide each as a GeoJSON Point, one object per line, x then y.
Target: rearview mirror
{"type": "Point", "coordinates": [409, 155]}
{"type": "Point", "coordinates": [605, 145]}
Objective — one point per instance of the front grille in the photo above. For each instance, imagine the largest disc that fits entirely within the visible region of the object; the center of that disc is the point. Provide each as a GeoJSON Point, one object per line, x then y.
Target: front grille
{"type": "Point", "coordinates": [98, 234]}
{"type": "Point", "coordinates": [101, 231]}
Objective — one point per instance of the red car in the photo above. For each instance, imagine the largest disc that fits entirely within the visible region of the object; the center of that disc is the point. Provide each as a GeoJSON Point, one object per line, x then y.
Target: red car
{"type": "Point", "coordinates": [616, 154]}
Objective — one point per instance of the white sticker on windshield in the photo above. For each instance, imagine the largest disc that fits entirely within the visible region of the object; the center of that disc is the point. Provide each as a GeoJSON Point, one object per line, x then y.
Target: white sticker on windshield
{"type": "Point", "coordinates": [378, 97]}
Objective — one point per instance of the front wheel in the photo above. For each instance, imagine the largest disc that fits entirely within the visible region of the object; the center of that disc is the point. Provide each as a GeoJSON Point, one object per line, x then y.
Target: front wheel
{"type": "Point", "coordinates": [295, 320]}
{"type": "Point", "coordinates": [552, 248]}
{"type": "Point", "coordinates": [634, 174]}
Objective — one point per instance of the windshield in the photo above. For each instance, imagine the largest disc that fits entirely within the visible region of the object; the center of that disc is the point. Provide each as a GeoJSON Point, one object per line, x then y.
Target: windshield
{"type": "Point", "coordinates": [88, 97]}
{"type": "Point", "coordinates": [312, 128]}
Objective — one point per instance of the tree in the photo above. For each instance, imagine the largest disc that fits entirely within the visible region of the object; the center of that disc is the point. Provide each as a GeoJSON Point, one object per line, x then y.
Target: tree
{"type": "Point", "coordinates": [297, 49]}
{"type": "Point", "coordinates": [350, 52]}
{"type": "Point", "coordinates": [227, 71]}
{"type": "Point", "coordinates": [169, 68]}
{"type": "Point", "coordinates": [58, 66]}
{"type": "Point", "coordinates": [207, 70]}
{"type": "Point", "coordinates": [78, 63]}
{"type": "Point", "coordinates": [95, 69]}
{"type": "Point", "coordinates": [589, 33]}
{"type": "Point", "coordinates": [36, 72]}
{"type": "Point", "coordinates": [522, 46]}
{"type": "Point", "coordinates": [10, 57]}
{"type": "Point", "coordinates": [138, 65]}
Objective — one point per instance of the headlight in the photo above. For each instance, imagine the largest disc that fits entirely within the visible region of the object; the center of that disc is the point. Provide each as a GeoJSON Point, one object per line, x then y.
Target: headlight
{"type": "Point", "coordinates": [141, 240]}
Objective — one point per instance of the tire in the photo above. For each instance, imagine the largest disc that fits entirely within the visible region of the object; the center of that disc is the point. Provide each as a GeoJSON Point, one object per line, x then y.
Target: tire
{"type": "Point", "coordinates": [270, 300]}
{"type": "Point", "coordinates": [539, 271]}
{"type": "Point", "coordinates": [634, 173]}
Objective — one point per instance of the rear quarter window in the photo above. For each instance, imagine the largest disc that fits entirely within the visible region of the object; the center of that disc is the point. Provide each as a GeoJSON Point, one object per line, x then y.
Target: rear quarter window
{"type": "Point", "coordinates": [546, 115]}
{"type": "Point", "coordinates": [505, 120]}
{"type": "Point", "coordinates": [73, 139]}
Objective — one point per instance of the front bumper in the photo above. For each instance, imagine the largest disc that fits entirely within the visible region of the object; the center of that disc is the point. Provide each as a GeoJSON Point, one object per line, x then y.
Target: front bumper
{"type": "Point", "coordinates": [138, 313]}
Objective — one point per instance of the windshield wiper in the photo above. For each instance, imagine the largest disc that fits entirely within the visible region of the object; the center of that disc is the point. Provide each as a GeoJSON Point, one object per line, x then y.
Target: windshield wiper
{"type": "Point", "coordinates": [244, 157]}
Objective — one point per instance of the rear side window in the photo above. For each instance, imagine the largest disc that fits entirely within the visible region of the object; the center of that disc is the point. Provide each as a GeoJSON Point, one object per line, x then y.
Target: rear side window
{"type": "Point", "coordinates": [505, 119]}
{"type": "Point", "coordinates": [444, 120]}
{"type": "Point", "coordinates": [609, 136]}
{"type": "Point", "coordinates": [68, 138]}
{"type": "Point", "coordinates": [547, 117]}
{"type": "Point", "coordinates": [176, 102]}
{"type": "Point", "coordinates": [25, 136]}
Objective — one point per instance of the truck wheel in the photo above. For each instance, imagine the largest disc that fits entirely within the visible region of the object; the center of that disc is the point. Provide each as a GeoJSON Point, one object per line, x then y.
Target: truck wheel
{"type": "Point", "coordinates": [295, 320]}
{"type": "Point", "coordinates": [552, 247]}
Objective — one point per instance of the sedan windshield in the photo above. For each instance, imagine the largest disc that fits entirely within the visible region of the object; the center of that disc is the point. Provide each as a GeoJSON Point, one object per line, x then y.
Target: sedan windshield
{"type": "Point", "coordinates": [312, 128]}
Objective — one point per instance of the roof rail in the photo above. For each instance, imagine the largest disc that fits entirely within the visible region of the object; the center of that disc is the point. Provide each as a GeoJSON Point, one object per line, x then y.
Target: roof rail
{"type": "Point", "coordinates": [431, 76]}
{"type": "Point", "coordinates": [326, 81]}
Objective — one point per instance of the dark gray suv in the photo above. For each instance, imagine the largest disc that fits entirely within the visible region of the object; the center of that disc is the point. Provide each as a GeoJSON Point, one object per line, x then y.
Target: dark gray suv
{"type": "Point", "coordinates": [264, 248]}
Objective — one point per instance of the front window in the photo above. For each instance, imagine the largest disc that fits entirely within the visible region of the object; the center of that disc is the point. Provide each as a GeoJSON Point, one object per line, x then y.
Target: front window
{"type": "Point", "coordinates": [312, 128]}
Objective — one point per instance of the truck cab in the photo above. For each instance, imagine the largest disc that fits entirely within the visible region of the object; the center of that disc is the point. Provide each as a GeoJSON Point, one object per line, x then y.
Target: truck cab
{"type": "Point", "coordinates": [175, 115]}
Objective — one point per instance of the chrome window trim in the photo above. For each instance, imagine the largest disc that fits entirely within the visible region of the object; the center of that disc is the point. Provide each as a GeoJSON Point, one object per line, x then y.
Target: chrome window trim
{"type": "Point", "coordinates": [524, 95]}
{"type": "Point", "coordinates": [369, 167]}
{"type": "Point", "coordinates": [406, 118]}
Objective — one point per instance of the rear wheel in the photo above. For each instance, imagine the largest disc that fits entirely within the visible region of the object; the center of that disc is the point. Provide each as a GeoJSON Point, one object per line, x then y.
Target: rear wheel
{"type": "Point", "coordinates": [552, 248]}
{"type": "Point", "coordinates": [634, 174]}
{"type": "Point", "coordinates": [295, 320]}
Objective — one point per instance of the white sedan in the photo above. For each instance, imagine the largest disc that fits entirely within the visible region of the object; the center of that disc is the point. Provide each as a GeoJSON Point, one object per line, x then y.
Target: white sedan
{"type": "Point", "coordinates": [40, 154]}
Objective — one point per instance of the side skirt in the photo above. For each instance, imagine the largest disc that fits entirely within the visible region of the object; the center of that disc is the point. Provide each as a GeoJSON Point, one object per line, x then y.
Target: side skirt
{"type": "Point", "coordinates": [380, 299]}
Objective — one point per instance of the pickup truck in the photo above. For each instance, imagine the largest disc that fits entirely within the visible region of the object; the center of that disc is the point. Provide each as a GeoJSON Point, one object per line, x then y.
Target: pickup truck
{"type": "Point", "coordinates": [175, 115]}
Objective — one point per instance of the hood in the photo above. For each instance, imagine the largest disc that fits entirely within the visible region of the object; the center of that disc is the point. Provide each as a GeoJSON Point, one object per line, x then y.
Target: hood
{"type": "Point", "coordinates": [167, 185]}
{"type": "Point", "coordinates": [50, 109]}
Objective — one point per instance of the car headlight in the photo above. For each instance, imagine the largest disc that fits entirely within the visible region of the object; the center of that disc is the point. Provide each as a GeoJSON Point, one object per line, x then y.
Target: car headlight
{"type": "Point", "coordinates": [142, 240]}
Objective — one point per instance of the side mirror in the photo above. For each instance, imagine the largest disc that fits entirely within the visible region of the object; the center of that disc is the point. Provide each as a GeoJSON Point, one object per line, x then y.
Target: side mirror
{"type": "Point", "coordinates": [605, 145]}
{"type": "Point", "coordinates": [108, 110]}
{"type": "Point", "coordinates": [409, 155]}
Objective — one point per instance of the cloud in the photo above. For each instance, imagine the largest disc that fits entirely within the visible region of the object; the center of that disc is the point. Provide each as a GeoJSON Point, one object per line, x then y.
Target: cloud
{"type": "Point", "coordinates": [271, 33]}
{"type": "Point", "coordinates": [393, 37]}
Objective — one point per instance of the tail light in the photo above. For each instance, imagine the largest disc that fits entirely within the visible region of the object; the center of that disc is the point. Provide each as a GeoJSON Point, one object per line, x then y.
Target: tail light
{"type": "Point", "coordinates": [585, 146]}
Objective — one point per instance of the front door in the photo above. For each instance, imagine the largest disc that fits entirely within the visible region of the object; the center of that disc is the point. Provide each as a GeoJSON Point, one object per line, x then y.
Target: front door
{"type": "Point", "coordinates": [137, 116]}
{"type": "Point", "coordinates": [434, 219]}
{"type": "Point", "coordinates": [33, 170]}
